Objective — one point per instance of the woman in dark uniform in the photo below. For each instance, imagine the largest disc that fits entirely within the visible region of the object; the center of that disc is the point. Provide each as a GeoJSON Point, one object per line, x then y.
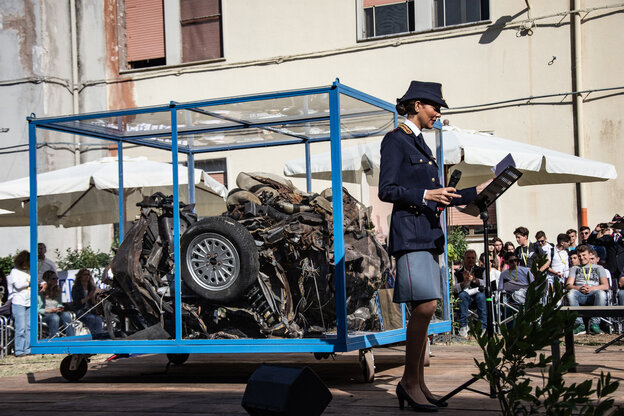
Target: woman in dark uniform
{"type": "Point", "coordinates": [409, 180]}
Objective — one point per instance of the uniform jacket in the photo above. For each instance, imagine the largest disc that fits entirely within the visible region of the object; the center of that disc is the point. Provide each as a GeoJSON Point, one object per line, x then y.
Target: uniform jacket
{"type": "Point", "coordinates": [407, 169]}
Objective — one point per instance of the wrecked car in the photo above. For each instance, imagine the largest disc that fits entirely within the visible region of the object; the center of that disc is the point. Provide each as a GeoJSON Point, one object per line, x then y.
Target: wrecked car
{"type": "Point", "coordinates": [264, 268]}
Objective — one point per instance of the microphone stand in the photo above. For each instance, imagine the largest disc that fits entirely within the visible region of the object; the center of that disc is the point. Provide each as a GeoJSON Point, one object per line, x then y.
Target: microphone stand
{"type": "Point", "coordinates": [479, 207]}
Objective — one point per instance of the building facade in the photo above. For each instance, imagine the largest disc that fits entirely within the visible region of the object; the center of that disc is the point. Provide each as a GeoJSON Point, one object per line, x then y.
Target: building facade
{"type": "Point", "coordinates": [544, 73]}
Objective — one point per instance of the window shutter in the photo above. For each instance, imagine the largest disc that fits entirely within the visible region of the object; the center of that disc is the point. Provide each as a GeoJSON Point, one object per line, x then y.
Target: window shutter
{"type": "Point", "coordinates": [201, 30]}
{"type": "Point", "coordinates": [145, 30]}
{"type": "Point", "coordinates": [455, 217]}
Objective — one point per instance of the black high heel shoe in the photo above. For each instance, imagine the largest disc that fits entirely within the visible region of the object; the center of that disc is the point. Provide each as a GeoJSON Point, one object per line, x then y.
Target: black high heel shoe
{"type": "Point", "coordinates": [436, 402]}
{"type": "Point", "coordinates": [403, 397]}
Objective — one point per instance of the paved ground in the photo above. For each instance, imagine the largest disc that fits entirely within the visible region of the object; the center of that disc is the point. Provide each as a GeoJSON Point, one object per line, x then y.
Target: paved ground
{"type": "Point", "coordinates": [214, 384]}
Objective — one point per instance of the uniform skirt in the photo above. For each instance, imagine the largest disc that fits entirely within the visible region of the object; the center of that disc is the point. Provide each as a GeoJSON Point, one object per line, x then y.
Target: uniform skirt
{"type": "Point", "coordinates": [418, 277]}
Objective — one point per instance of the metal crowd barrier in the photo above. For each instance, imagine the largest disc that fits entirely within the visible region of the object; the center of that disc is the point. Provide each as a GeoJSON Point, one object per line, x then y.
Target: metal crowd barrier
{"type": "Point", "coordinates": [6, 336]}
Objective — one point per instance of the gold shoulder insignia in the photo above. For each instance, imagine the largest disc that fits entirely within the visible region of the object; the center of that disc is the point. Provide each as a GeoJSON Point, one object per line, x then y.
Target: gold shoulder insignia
{"type": "Point", "coordinates": [405, 128]}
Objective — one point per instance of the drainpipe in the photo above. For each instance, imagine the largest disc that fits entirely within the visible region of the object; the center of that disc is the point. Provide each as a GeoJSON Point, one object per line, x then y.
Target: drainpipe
{"type": "Point", "coordinates": [73, 25]}
{"type": "Point", "coordinates": [579, 125]}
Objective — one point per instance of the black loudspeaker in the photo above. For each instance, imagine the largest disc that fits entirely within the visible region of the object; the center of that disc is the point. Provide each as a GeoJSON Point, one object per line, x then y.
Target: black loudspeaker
{"type": "Point", "coordinates": [277, 390]}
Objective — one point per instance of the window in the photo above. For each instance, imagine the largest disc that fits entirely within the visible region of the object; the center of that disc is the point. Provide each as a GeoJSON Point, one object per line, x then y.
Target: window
{"type": "Point", "coordinates": [392, 17]}
{"type": "Point", "coordinates": [160, 32]}
{"type": "Point", "coordinates": [217, 168]}
{"type": "Point", "coordinates": [456, 12]}
{"type": "Point", "coordinates": [387, 17]}
{"type": "Point", "coordinates": [201, 30]}
{"type": "Point", "coordinates": [145, 33]}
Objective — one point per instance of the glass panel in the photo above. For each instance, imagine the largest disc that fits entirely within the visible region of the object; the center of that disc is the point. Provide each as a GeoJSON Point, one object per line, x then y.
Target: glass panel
{"type": "Point", "coordinates": [360, 119]}
{"type": "Point", "coordinates": [453, 12]}
{"type": "Point", "coordinates": [143, 267]}
{"type": "Point", "coordinates": [366, 262]}
{"type": "Point", "coordinates": [410, 16]}
{"type": "Point", "coordinates": [118, 126]}
{"type": "Point", "coordinates": [280, 119]}
{"type": "Point", "coordinates": [261, 111]}
{"type": "Point", "coordinates": [350, 105]}
{"type": "Point", "coordinates": [136, 294]}
{"type": "Point", "coordinates": [247, 137]}
{"type": "Point", "coordinates": [390, 19]}
{"type": "Point", "coordinates": [460, 11]}
{"type": "Point", "coordinates": [364, 126]}
{"type": "Point", "coordinates": [367, 267]}
{"type": "Point", "coordinates": [72, 287]}
{"type": "Point", "coordinates": [473, 10]}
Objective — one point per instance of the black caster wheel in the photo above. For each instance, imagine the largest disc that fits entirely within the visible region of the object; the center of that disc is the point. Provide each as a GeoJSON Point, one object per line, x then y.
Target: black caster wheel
{"type": "Point", "coordinates": [367, 363]}
{"type": "Point", "coordinates": [177, 359]}
{"type": "Point", "coordinates": [74, 367]}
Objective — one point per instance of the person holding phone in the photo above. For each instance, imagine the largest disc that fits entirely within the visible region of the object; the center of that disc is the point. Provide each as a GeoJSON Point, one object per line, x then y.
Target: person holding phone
{"type": "Point", "coordinates": [83, 296]}
{"type": "Point", "coordinates": [611, 245]}
{"type": "Point", "coordinates": [51, 306]}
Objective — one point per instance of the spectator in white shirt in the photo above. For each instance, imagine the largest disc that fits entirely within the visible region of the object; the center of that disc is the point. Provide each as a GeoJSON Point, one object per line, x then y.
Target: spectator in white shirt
{"type": "Point", "coordinates": [560, 260]}
{"type": "Point", "coordinates": [18, 282]}
{"type": "Point", "coordinates": [494, 272]}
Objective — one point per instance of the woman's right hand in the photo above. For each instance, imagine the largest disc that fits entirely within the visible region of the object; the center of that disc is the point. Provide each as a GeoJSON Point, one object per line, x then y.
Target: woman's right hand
{"type": "Point", "coordinates": [441, 195]}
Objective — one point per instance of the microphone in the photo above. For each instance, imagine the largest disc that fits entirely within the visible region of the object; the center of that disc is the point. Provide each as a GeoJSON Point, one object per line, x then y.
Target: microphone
{"type": "Point", "coordinates": [455, 176]}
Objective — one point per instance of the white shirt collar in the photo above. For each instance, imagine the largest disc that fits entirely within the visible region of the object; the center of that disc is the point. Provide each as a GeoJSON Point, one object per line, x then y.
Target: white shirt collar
{"type": "Point", "coordinates": [412, 127]}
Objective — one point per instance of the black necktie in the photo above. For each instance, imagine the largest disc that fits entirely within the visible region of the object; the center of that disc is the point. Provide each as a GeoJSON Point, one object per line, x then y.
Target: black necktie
{"type": "Point", "coordinates": [420, 141]}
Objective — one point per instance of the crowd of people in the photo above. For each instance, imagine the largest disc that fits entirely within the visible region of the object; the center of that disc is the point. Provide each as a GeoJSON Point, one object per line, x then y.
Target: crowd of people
{"type": "Point", "coordinates": [589, 264]}
{"type": "Point", "coordinates": [57, 316]}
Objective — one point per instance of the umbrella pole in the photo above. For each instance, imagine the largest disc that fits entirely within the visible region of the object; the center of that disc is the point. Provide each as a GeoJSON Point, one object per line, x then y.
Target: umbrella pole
{"type": "Point", "coordinates": [75, 202]}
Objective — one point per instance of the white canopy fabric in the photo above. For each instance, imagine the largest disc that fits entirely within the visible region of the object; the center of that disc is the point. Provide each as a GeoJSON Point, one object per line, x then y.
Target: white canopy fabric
{"type": "Point", "coordinates": [474, 154]}
{"type": "Point", "coordinates": [86, 194]}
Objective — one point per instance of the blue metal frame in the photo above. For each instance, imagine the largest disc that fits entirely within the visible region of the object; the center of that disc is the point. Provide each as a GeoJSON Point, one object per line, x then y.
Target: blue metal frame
{"type": "Point", "coordinates": [122, 204]}
{"type": "Point", "coordinates": [445, 269]}
{"type": "Point", "coordinates": [340, 342]}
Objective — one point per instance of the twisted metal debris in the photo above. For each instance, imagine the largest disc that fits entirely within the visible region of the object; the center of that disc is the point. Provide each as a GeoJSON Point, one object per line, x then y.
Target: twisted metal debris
{"type": "Point", "coordinates": [284, 258]}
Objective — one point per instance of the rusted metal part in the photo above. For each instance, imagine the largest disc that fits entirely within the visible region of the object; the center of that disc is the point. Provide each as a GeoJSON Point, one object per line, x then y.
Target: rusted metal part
{"type": "Point", "coordinates": [302, 244]}
{"type": "Point", "coordinates": [294, 292]}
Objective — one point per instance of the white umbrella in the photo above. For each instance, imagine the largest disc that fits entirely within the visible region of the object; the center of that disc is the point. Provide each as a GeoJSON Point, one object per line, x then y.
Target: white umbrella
{"type": "Point", "coordinates": [474, 154]}
{"type": "Point", "coordinates": [86, 194]}
{"type": "Point", "coordinates": [354, 158]}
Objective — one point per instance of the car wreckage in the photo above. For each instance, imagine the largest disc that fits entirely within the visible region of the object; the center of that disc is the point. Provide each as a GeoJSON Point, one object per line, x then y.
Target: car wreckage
{"type": "Point", "coordinates": [264, 268]}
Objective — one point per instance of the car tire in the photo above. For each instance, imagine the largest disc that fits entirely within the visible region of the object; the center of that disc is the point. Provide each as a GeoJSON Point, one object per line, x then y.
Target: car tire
{"type": "Point", "coordinates": [219, 259]}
